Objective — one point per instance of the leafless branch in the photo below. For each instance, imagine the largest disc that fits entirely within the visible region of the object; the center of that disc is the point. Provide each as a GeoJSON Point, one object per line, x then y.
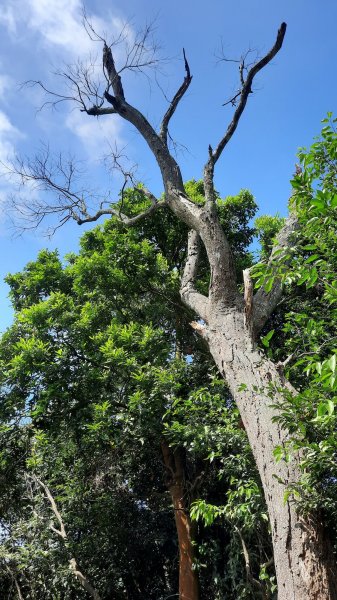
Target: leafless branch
{"type": "Point", "coordinates": [178, 96]}
{"type": "Point", "coordinates": [61, 532]}
{"type": "Point", "coordinates": [250, 578]}
{"type": "Point", "coordinates": [241, 98]}
{"type": "Point", "coordinates": [83, 82]}
{"type": "Point", "coordinates": [18, 589]}
{"type": "Point", "coordinates": [63, 180]}
{"type": "Point", "coordinates": [247, 89]}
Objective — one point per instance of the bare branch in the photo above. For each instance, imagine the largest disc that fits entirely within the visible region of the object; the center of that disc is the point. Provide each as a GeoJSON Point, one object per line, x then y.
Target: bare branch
{"type": "Point", "coordinates": [248, 299]}
{"type": "Point", "coordinates": [178, 96]}
{"type": "Point", "coordinates": [242, 98]}
{"type": "Point", "coordinates": [198, 302]}
{"type": "Point", "coordinates": [128, 221]}
{"type": "Point", "coordinates": [246, 556]}
{"type": "Point", "coordinates": [18, 589]}
{"type": "Point", "coordinates": [247, 89]}
{"type": "Point", "coordinates": [60, 178]}
{"type": "Point", "coordinates": [62, 533]}
{"type": "Point", "coordinates": [83, 580]}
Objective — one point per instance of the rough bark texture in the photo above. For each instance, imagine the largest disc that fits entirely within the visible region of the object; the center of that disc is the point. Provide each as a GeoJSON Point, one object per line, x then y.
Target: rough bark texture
{"type": "Point", "coordinates": [304, 563]}
{"type": "Point", "coordinates": [188, 576]}
{"type": "Point", "coordinates": [230, 324]}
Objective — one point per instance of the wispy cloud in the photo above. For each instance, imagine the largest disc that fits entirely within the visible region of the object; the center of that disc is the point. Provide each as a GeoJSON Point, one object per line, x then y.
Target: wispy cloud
{"type": "Point", "coordinates": [5, 84]}
{"type": "Point", "coordinates": [57, 23]}
{"type": "Point", "coordinates": [95, 133]}
{"type": "Point", "coordinates": [8, 136]}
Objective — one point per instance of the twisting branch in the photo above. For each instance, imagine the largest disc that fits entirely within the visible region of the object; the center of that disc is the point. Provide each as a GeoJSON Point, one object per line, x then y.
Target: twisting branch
{"type": "Point", "coordinates": [178, 96]}
{"type": "Point", "coordinates": [247, 89]}
{"type": "Point", "coordinates": [61, 532]}
{"type": "Point", "coordinates": [242, 98]}
{"type": "Point", "coordinates": [198, 302]}
{"type": "Point", "coordinates": [60, 178]}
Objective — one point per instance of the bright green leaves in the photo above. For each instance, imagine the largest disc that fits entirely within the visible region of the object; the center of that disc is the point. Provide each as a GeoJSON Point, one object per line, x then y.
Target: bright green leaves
{"type": "Point", "coordinates": [266, 338]}
{"type": "Point", "coordinates": [266, 229]}
{"type": "Point", "coordinates": [37, 280]}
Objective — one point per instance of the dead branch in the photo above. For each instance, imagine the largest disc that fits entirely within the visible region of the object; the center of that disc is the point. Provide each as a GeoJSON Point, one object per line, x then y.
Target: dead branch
{"type": "Point", "coordinates": [250, 578]}
{"type": "Point", "coordinates": [178, 96]}
{"type": "Point", "coordinates": [61, 532]}
{"type": "Point", "coordinates": [248, 300]}
{"type": "Point", "coordinates": [60, 178]}
{"type": "Point", "coordinates": [241, 98]}
{"type": "Point", "coordinates": [247, 89]}
{"type": "Point", "coordinates": [18, 589]}
{"type": "Point", "coordinates": [82, 80]}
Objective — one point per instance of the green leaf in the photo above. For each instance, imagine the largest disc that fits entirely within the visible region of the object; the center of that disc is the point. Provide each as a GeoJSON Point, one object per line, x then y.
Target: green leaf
{"type": "Point", "coordinates": [266, 339]}
{"type": "Point", "coordinates": [332, 363]}
{"type": "Point", "coordinates": [278, 453]}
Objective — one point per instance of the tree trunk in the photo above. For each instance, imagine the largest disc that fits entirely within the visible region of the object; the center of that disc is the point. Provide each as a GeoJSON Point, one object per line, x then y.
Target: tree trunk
{"type": "Point", "coordinates": [303, 559]}
{"type": "Point", "coordinates": [188, 576]}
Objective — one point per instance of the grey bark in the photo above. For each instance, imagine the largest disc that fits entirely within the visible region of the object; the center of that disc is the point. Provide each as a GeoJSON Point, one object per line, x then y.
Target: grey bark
{"type": "Point", "coordinates": [302, 561]}
{"type": "Point", "coordinates": [230, 323]}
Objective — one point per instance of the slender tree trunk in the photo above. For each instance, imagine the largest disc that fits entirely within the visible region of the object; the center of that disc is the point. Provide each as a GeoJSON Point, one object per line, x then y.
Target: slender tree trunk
{"type": "Point", "coordinates": [188, 576]}
{"type": "Point", "coordinates": [304, 562]}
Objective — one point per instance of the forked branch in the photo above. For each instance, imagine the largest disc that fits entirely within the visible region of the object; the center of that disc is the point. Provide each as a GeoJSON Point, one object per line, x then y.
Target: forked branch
{"type": "Point", "coordinates": [241, 100]}
{"type": "Point", "coordinates": [247, 89]}
{"type": "Point", "coordinates": [60, 179]}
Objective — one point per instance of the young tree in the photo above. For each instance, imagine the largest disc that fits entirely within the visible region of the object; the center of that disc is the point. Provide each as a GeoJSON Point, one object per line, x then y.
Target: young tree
{"type": "Point", "coordinates": [228, 320]}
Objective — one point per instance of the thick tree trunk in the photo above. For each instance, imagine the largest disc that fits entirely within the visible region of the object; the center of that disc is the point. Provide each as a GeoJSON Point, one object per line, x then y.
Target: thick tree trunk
{"type": "Point", "coordinates": [188, 576]}
{"type": "Point", "coordinates": [303, 560]}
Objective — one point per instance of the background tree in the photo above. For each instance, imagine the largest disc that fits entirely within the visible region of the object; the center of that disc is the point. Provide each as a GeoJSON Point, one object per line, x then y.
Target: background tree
{"type": "Point", "coordinates": [87, 408]}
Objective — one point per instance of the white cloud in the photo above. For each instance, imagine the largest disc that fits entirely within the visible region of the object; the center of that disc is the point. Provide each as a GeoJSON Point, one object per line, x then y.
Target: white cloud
{"type": "Point", "coordinates": [8, 135]}
{"type": "Point", "coordinates": [95, 133]}
{"type": "Point", "coordinates": [7, 17]}
{"type": "Point", "coordinates": [5, 84]}
{"type": "Point", "coordinates": [58, 23]}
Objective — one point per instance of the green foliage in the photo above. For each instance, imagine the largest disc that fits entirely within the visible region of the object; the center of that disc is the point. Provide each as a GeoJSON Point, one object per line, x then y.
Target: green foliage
{"type": "Point", "coordinates": [267, 228]}
{"type": "Point", "coordinates": [98, 367]}
{"type": "Point", "coordinates": [306, 327]}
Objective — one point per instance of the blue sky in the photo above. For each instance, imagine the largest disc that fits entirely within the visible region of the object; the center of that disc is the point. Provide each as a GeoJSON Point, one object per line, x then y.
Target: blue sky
{"type": "Point", "coordinates": [291, 96]}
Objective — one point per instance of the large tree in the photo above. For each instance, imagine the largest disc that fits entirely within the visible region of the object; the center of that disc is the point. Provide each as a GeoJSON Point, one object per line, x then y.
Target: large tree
{"type": "Point", "coordinates": [228, 319]}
